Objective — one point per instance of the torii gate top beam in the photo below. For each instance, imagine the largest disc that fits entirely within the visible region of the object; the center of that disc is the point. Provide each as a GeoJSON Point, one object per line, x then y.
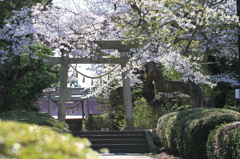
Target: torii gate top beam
{"type": "Point", "coordinates": [57, 60]}
{"type": "Point", "coordinates": [115, 44]}
{"type": "Point", "coordinates": [103, 44]}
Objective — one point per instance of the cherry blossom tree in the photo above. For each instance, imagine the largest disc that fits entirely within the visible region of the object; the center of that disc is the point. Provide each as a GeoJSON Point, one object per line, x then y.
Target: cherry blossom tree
{"type": "Point", "coordinates": [172, 35]}
{"type": "Point", "coordinates": [16, 41]}
{"type": "Point", "coordinates": [188, 31]}
{"type": "Point", "coordinates": [178, 35]}
{"type": "Point", "coordinates": [57, 28]}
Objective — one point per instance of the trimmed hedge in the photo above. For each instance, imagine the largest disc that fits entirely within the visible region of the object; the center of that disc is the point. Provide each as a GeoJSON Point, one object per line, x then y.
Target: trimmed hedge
{"type": "Point", "coordinates": [166, 134]}
{"type": "Point", "coordinates": [35, 118]}
{"type": "Point", "coordinates": [224, 142]}
{"type": "Point", "coordinates": [22, 140]}
{"type": "Point", "coordinates": [187, 131]}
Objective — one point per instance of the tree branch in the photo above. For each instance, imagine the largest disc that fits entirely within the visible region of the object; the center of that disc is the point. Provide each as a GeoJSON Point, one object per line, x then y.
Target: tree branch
{"type": "Point", "coordinates": [154, 72]}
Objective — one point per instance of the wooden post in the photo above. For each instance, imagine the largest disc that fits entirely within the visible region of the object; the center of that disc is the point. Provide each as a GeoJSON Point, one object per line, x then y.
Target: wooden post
{"type": "Point", "coordinates": [50, 103]}
{"type": "Point", "coordinates": [63, 87]}
{"type": "Point", "coordinates": [86, 108]}
{"type": "Point", "coordinates": [127, 96]}
{"type": "Point", "coordinates": [83, 114]}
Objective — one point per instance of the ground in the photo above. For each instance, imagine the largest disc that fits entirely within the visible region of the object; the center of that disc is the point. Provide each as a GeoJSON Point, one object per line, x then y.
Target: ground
{"type": "Point", "coordinates": [164, 155]}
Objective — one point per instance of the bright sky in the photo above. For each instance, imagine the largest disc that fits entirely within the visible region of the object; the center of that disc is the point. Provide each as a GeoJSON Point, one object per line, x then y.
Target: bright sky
{"type": "Point", "coordinates": [73, 4]}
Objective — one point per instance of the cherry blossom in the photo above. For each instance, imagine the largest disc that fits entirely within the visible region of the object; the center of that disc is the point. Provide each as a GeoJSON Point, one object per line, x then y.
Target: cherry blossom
{"type": "Point", "coordinates": [175, 34]}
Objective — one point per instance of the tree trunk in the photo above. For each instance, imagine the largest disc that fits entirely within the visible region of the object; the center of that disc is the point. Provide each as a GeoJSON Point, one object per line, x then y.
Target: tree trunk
{"type": "Point", "coordinates": [148, 88]}
{"type": "Point", "coordinates": [190, 88]}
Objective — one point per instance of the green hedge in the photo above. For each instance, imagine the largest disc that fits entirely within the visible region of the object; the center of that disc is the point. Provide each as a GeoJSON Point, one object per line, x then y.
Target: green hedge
{"type": "Point", "coordinates": [187, 131]}
{"type": "Point", "coordinates": [35, 118]}
{"type": "Point", "coordinates": [166, 134]}
{"type": "Point", "coordinates": [24, 141]}
{"type": "Point", "coordinates": [224, 142]}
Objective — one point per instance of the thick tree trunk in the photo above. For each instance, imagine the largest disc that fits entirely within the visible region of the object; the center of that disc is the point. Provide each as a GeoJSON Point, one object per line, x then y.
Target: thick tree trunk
{"type": "Point", "coordinates": [148, 88]}
{"type": "Point", "coordinates": [190, 88]}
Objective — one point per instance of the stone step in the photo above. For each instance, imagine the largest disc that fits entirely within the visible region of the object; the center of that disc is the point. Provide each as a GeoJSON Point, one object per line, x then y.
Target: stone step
{"type": "Point", "coordinates": [112, 136]}
{"type": "Point", "coordinates": [118, 141]}
{"type": "Point", "coordinates": [120, 146]}
{"type": "Point", "coordinates": [107, 132]}
{"type": "Point", "coordinates": [127, 151]}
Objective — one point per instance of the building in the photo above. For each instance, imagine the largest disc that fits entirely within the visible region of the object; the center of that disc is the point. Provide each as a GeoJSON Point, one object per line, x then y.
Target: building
{"type": "Point", "coordinates": [80, 104]}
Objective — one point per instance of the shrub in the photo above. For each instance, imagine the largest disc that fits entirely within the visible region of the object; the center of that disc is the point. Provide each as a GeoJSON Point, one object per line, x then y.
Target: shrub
{"type": "Point", "coordinates": [167, 129]}
{"type": "Point", "coordinates": [224, 142]}
{"type": "Point", "coordinates": [165, 133]}
{"type": "Point", "coordinates": [96, 122]}
{"type": "Point", "coordinates": [35, 118]}
{"type": "Point", "coordinates": [189, 129]}
{"type": "Point", "coordinates": [145, 115]}
{"type": "Point", "coordinates": [22, 140]}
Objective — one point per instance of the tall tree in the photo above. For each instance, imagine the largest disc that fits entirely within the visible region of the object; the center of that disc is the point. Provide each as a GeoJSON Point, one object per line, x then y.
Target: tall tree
{"type": "Point", "coordinates": [26, 29]}
{"type": "Point", "coordinates": [176, 35]}
{"type": "Point", "coordinates": [12, 46]}
{"type": "Point", "coordinates": [28, 89]}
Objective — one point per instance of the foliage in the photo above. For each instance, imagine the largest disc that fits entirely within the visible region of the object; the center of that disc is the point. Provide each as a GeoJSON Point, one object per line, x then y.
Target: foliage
{"type": "Point", "coordinates": [121, 124]}
{"type": "Point", "coordinates": [141, 109]}
{"type": "Point", "coordinates": [165, 132]}
{"type": "Point", "coordinates": [35, 118]}
{"type": "Point", "coordinates": [181, 37]}
{"type": "Point", "coordinates": [96, 122]}
{"type": "Point", "coordinates": [217, 65]}
{"type": "Point", "coordinates": [22, 140]}
{"type": "Point", "coordinates": [172, 30]}
{"type": "Point", "coordinates": [172, 33]}
{"type": "Point", "coordinates": [224, 142]}
{"type": "Point", "coordinates": [236, 108]}
{"type": "Point", "coordinates": [7, 6]}
{"type": "Point", "coordinates": [145, 115]}
{"type": "Point", "coordinates": [13, 46]}
{"type": "Point", "coordinates": [188, 130]}
{"type": "Point", "coordinates": [113, 104]}
{"type": "Point", "coordinates": [28, 88]}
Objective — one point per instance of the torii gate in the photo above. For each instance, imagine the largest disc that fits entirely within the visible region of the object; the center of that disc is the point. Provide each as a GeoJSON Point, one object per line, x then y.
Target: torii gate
{"type": "Point", "coordinates": [64, 60]}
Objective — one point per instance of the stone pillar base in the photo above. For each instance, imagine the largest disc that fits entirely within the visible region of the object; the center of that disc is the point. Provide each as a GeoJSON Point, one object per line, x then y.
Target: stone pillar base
{"type": "Point", "coordinates": [130, 128]}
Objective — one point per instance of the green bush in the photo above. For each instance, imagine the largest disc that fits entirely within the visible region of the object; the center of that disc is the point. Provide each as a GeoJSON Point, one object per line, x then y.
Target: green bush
{"type": "Point", "coordinates": [96, 122]}
{"type": "Point", "coordinates": [145, 115]}
{"type": "Point", "coordinates": [188, 130]}
{"type": "Point", "coordinates": [22, 140]}
{"type": "Point", "coordinates": [165, 133]}
{"type": "Point", "coordinates": [35, 118]}
{"type": "Point", "coordinates": [167, 129]}
{"type": "Point", "coordinates": [224, 142]}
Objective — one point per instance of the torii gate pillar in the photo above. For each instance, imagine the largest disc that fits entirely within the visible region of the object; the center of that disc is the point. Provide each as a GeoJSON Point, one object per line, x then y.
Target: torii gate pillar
{"type": "Point", "coordinates": [127, 96]}
{"type": "Point", "coordinates": [63, 87]}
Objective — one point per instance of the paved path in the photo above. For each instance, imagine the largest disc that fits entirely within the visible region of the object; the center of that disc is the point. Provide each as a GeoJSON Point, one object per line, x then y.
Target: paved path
{"type": "Point", "coordinates": [124, 156]}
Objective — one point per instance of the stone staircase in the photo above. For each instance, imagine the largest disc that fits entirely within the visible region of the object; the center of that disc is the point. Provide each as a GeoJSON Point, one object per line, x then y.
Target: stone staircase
{"type": "Point", "coordinates": [119, 141]}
